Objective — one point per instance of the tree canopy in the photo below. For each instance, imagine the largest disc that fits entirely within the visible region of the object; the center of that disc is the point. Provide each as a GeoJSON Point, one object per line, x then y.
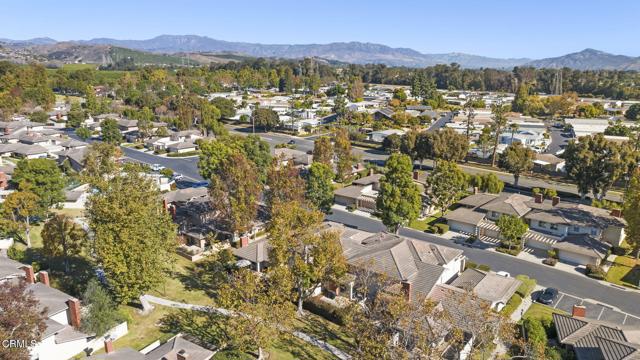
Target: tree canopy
{"type": "Point", "coordinates": [398, 199]}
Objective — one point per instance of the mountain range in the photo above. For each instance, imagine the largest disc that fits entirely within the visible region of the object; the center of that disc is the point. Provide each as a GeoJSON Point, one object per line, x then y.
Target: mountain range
{"type": "Point", "coordinates": [348, 52]}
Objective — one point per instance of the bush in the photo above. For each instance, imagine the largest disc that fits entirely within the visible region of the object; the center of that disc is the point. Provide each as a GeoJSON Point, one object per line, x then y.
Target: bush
{"type": "Point", "coordinates": [505, 250]}
{"type": "Point", "coordinates": [620, 250]}
{"type": "Point", "coordinates": [552, 254]}
{"type": "Point", "coordinates": [512, 305]}
{"type": "Point", "coordinates": [484, 267]}
{"type": "Point", "coordinates": [351, 207]}
{"type": "Point", "coordinates": [551, 261]}
{"type": "Point", "coordinates": [470, 265]}
{"type": "Point", "coordinates": [160, 151]}
{"type": "Point", "coordinates": [139, 146]}
{"type": "Point", "coordinates": [527, 286]}
{"type": "Point", "coordinates": [16, 254]}
{"type": "Point", "coordinates": [166, 172]}
{"type": "Point", "coordinates": [184, 154]}
{"type": "Point", "coordinates": [595, 272]}
{"type": "Point", "coordinates": [321, 308]}
{"type": "Point", "coordinates": [441, 228]}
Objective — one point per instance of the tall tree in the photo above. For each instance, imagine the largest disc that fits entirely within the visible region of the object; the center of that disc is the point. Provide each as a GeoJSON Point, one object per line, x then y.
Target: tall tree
{"type": "Point", "coordinates": [497, 127]}
{"type": "Point", "coordinates": [100, 163]}
{"type": "Point", "coordinates": [91, 101]}
{"type": "Point", "coordinates": [448, 145]}
{"type": "Point", "coordinates": [284, 184]}
{"type": "Point", "coordinates": [110, 132]}
{"type": "Point", "coordinates": [398, 199]}
{"type": "Point", "coordinates": [22, 318]}
{"type": "Point", "coordinates": [301, 255]}
{"type": "Point", "coordinates": [511, 230]}
{"type": "Point", "coordinates": [471, 114]}
{"type": "Point", "coordinates": [43, 178]}
{"type": "Point", "coordinates": [517, 159]}
{"type": "Point", "coordinates": [21, 206]}
{"type": "Point", "coordinates": [102, 313]}
{"type": "Point", "coordinates": [445, 185]}
{"type": "Point", "coordinates": [355, 89]}
{"type": "Point", "coordinates": [134, 235]}
{"type": "Point", "coordinates": [631, 211]}
{"type": "Point", "coordinates": [408, 143]}
{"type": "Point", "coordinates": [320, 186]}
{"type": "Point", "coordinates": [343, 153]}
{"type": "Point", "coordinates": [265, 118]}
{"type": "Point", "coordinates": [323, 150]}
{"type": "Point", "coordinates": [63, 238]}
{"type": "Point", "coordinates": [235, 191]}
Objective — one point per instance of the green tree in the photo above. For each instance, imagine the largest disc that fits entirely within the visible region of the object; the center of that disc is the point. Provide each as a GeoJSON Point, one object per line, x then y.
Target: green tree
{"type": "Point", "coordinates": [63, 238]}
{"type": "Point", "coordinates": [536, 337]}
{"type": "Point", "coordinates": [340, 107]}
{"type": "Point", "coordinates": [76, 116]}
{"type": "Point", "coordinates": [400, 94]}
{"type": "Point", "coordinates": [21, 206]}
{"type": "Point", "coordinates": [300, 255]}
{"type": "Point", "coordinates": [497, 127]}
{"type": "Point", "coordinates": [342, 149]}
{"type": "Point", "coordinates": [617, 129]}
{"type": "Point", "coordinates": [488, 183]}
{"type": "Point", "coordinates": [102, 314]}
{"type": "Point", "coordinates": [39, 116]}
{"type": "Point", "coordinates": [134, 235]}
{"type": "Point", "coordinates": [100, 164]}
{"type": "Point", "coordinates": [235, 190]}
{"type": "Point", "coordinates": [392, 143]}
{"type": "Point", "coordinates": [323, 150]}
{"type": "Point", "coordinates": [521, 99]}
{"type": "Point", "coordinates": [448, 145]}
{"type": "Point", "coordinates": [511, 230]}
{"type": "Point", "coordinates": [22, 318]}
{"type": "Point", "coordinates": [446, 185]}
{"type": "Point", "coordinates": [355, 90]}
{"type": "Point", "coordinates": [517, 159]}
{"type": "Point", "coordinates": [265, 118]}
{"type": "Point", "coordinates": [227, 107]}
{"type": "Point", "coordinates": [83, 133]}
{"type": "Point", "coordinates": [43, 178]}
{"type": "Point", "coordinates": [209, 120]}
{"type": "Point", "coordinates": [398, 199]}
{"type": "Point", "coordinates": [110, 131]}
{"type": "Point", "coordinates": [91, 102]}
{"type": "Point", "coordinates": [258, 151]}
{"type": "Point", "coordinates": [284, 184]}
{"type": "Point", "coordinates": [320, 186]}
{"type": "Point", "coordinates": [633, 112]}
{"type": "Point", "coordinates": [631, 211]}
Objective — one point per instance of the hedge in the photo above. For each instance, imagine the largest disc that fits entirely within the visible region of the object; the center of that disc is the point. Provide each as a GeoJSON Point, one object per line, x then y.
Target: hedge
{"type": "Point", "coordinates": [595, 272]}
{"type": "Point", "coordinates": [550, 261]}
{"type": "Point", "coordinates": [442, 228]}
{"type": "Point", "coordinates": [184, 154]}
{"type": "Point", "coordinates": [512, 252]}
{"type": "Point", "coordinates": [512, 305]}
{"type": "Point", "coordinates": [526, 287]}
{"type": "Point", "coordinates": [484, 267]}
{"type": "Point", "coordinates": [321, 308]}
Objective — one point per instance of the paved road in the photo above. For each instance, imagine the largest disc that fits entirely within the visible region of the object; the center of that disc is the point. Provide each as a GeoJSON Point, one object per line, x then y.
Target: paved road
{"type": "Point", "coordinates": [576, 284]}
{"type": "Point", "coordinates": [559, 140]}
{"type": "Point", "coordinates": [185, 166]}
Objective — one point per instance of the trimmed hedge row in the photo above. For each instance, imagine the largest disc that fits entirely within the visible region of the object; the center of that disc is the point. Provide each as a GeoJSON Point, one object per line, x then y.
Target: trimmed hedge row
{"type": "Point", "coordinates": [321, 308]}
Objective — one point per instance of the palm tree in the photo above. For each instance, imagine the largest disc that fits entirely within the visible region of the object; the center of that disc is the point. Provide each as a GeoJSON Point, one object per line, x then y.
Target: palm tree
{"type": "Point", "coordinates": [514, 129]}
{"type": "Point", "coordinates": [499, 122]}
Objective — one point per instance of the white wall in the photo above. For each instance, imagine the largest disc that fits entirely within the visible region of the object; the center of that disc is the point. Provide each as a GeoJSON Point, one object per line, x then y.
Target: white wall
{"type": "Point", "coordinates": [47, 349]}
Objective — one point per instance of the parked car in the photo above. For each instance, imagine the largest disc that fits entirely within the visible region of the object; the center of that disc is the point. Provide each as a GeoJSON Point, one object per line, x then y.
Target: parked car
{"type": "Point", "coordinates": [177, 176]}
{"type": "Point", "coordinates": [503, 273]}
{"type": "Point", "coordinates": [157, 167]}
{"type": "Point", "coordinates": [548, 296]}
{"type": "Point", "coordinates": [291, 142]}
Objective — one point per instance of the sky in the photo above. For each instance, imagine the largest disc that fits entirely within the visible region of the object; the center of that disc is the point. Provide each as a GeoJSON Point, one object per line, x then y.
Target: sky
{"type": "Point", "coordinates": [496, 28]}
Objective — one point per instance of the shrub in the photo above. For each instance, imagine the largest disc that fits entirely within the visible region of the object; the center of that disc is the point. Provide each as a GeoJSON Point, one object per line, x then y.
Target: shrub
{"type": "Point", "coordinates": [512, 305]}
{"type": "Point", "coordinates": [595, 272]}
{"type": "Point", "coordinates": [470, 265]}
{"type": "Point", "coordinates": [441, 228]}
{"type": "Point", "coordinates": [166, 172]}
{"type": "Point", "coordinates": [139, 146]}
{"type": "Point", "coordinates": [535, 331]}
{"type": "Point", "coordinates": [16, 254]}
{"type": "Point", "coordinates": [184, 154]}
{"type": "Point", "coordinates": [484, 267]}
{"type": "Point", "coordinates": [527, 285]}
{"type": "Point", "coordinates": [160, 151]}
{"type": "Point", "coordinates": [351, 207]}
{"type": "Point", "coordinates": [535, 191]}
{"type": "Point", "coordinates": [620, 250]}
{"type": "Point", "coordinates": [505, 250]}
{"type": "Point", "coordinates": [551, 261]}
{"type": "Point", "coordinates": [321, 308]}
{"type": "Point", "coordinates": [550, 193]}
{"type": "Point", "coordinates": [552, 253]}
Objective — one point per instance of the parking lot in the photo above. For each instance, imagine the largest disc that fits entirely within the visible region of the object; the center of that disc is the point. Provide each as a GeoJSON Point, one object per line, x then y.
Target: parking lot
{"type": "Point", "coordinates": [594, 310]}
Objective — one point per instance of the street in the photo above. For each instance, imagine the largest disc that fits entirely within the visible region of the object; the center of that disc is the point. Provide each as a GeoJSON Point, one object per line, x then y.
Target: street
{"type": "Point", "coordinates": [575, 284]}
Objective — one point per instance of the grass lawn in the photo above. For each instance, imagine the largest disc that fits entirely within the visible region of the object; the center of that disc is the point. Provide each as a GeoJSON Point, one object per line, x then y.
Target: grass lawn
{"type": "Point", "coordinates": [624, 271]}
{"type": "Point", "coordinates": [175, 288]}
{"type": "Point", "coordinates": [541, 312]}
{"type": "Point", "coordinates": [324, 330]}
{"type": "Point", "coordinates": [421, 225]}
{"type": "Point", "coordinates": [73, 67]}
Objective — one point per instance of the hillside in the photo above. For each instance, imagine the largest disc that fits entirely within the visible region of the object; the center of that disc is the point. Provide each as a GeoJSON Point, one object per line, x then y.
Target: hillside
{"type": "Point", "coordinates": [589, 59]}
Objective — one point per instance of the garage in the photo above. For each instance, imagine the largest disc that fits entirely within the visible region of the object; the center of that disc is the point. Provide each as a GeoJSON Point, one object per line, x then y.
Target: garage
{"type": "Point", "coordinates": [464, 220]}
{"type": "Point", "coordinates": [461, 227]}
{"type": "Point", "coordinates": [577, 259]}
{"type": "Point", "coordinates": [581, 250]}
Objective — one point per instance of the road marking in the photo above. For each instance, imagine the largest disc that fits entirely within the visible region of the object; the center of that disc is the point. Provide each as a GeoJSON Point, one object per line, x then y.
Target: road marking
{"type": "Point", "coordinates": [600, 315]}
{"type": "Point", "coordinates": [558, 301]}
{"type": "Point", "coordinates": [625, 318]}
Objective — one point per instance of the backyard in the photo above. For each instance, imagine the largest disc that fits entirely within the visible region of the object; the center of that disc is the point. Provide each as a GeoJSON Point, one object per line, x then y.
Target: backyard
{"type": "Point", "coordinates": [624, 271]}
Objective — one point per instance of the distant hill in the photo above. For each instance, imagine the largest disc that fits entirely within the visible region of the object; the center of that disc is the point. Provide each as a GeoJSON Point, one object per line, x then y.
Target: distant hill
{"type": "Point", "coordinates": [349, 52]}
{"type": "Point", "coordinates": [589, 59]}
{"type": "Point", "coordinates": [29, 42]}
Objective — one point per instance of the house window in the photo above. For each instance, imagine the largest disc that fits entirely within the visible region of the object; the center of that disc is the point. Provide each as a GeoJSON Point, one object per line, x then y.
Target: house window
{"type": "Point", "coordinates": [576, 228]}
{"type": "Point", "coordinates": [554, 227]}
{"type": "Point", "coordinates": [542, 224]}
{"type": "Point", "coordinates": [594, 232]}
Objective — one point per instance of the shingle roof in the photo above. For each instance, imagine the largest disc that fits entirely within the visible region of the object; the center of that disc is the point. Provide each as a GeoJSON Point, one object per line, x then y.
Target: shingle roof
{"type": "Point", "coordinates": [476, 200]}
{"type": "Point", "coordinates": [255, 252]}
{"type": "Point", "coordinates": [465, 215]}
{"type": "Point", "coordinates": [170, 349]}
{"type": "Point", "coordinates": [487, 286]}
{"type": "Point", "coordinates": [120, 354]}
{"type": "Point", "coordinates": [583, 244]}
{"type": "Point", "coordinates": [511, 204]}
{"type": "Point", "coordinates": [9, 268]}
{"type": "Point", "coordinates": [53, 299]}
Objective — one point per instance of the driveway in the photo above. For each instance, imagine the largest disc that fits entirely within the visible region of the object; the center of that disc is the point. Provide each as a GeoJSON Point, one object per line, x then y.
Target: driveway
{"type": "Point", "coordinates": [578, 285]}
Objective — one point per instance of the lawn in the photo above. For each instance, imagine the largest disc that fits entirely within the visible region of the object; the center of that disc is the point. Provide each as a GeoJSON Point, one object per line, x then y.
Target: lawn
{"type": "Point", "coordinates": [422, 224]}
{"type": "Point", "coordinates": [624, 271]}
{"type": "Point", "coordinates": [541, 312]}
{"type": "Point", "coordinates": [324, 330]}
{"type": "Point", "coordinates": [175, 287]}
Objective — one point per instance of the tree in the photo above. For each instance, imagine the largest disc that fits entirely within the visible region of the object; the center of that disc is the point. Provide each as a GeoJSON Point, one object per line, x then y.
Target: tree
{"type": "Point", "coordinates": [209, 116]}
{"type": "Point", "coordinates": [497, 126]}
{"type": "Point", "coordinates": [22, 205]}
{"type": "Point", "coordinates": [633, 112]}
{"type": "Point", "coordinates": [227, 107]}
{"type": "Point", "coordinates": [484, 141]}
{"type": "Point", "coordinates": [266, 118]}
{"type": "Point", "coordinates": [400, 94]}
{"type": "Point", "coordinates": [471, 114]}
{"type": "Point", "coordinates": [76, 116]}
{"type": "Point", "coordinates": [343, 154]}
{"type": "Point", "coordinates": [617, 129]}
{"type": "Point", "coordinates": [134, 235]}
{"type": "Point", "coordinates": [258, 151]}
{"type": "Point", "coordinates": [284, 184]}
{"type": "Point", "coordinates": [408, 143]}
{"type": "Point", "coordinates": [21, 319]}
{"type": "Point", "coordinates": [300, 255]}
{"type": "Point", "coordinates": [448, 145]}
{"type": "Point", "coordinates": [100, 164]}
{"type": "Point", "coordinates": [631, 211]}
{"type": "Point", "coordinates": [392, 143]}
{"type": "Point", "coordinates": [110, 131]}
{"type": "Point", "coordinates": [39, 116]}
{"type": "Point", "coordinates": [62, 237]}
{"type": "Point", "coordinates": [340, 107]}
{"type": "Point", "coordinates": [488, 183]}
{"type": "Point", "coordinates": [91, 102]}
{"type": "Point", "coordinates": [212, 152]}
{"type": "Point", "coordinates": [235, 191]}
{"type": "Point", "coordinates": [521, 99]}
{"type": "Point", "coordinates": [102, 313]}
{"type": "Point", "coordinates": [43, 178]}
{"type": "Point", "coordinates": [536, 337]}
{"type": "Point", "coordinates": [517, 159]}
{"type": "Point", "coordinates": [320, 186]}
{"type": "Point", "coordinates": [446, 185]}
{"type": "Point", "coordinates": [511, 230]}
{"type": "Point", "coordinates": [83, 133]}
{"type": "Point", "coordinates": [398, 199]}
{"type": "Point", "coordinates": [323, 150]}
{"type": "Point", "coordinates": [355, 89]}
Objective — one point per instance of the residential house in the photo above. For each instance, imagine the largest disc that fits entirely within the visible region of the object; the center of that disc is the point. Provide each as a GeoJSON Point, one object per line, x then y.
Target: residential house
{"type": "Point", "coordinates": [361, 194]}
{"type": "Point", "coordinates": [489, 286]}
{"type": "Point", "coordinates": [76, 198]}
{"type": "Point", "coordinates": [299, 158]}
{"type": "Point", "coordinates": [379, 136]}
{"type": "Point", "coordinates": [581, 234]}
{"type": "Point", "coordinates": [176, 348]}
{"type": "Point", "coordinates": [596, 340]}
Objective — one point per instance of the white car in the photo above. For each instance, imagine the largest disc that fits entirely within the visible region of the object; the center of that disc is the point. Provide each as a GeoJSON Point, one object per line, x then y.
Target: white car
{"type": "Point", "coordinates": [177, 176]}
{"type": "Point", "coordinates": [503, 273]}
{"type": "Point", "coordinates": [157, 167]}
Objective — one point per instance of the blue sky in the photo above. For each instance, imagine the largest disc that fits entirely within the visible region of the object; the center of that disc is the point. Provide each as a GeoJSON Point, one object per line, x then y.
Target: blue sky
{"type": "Point", "coordinates": [499, 28]}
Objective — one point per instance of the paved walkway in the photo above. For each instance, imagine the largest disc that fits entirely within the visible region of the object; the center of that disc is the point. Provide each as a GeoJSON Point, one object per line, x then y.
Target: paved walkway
{"type": "Point", "coordinates": [146, 301]}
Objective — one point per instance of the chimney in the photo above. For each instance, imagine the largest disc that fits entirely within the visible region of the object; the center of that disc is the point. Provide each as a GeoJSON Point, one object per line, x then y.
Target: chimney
{"type": "Point", "coordinates": [244, 241]}
{"type": "Point", "coordinates": [108, 345]}
{"type": "Point", "coordinates": [406, 289]}
{"type": "Point", "coordinates": [4, 182]}
{"type": "Point", "coordinates": [74, 312]}
{"type": "Point", "coordinates": [475, 190]}
{"type": "Point", "coordinates": [555, 200]}
{"type": "Point", "coordinates": [172, 210]}
{"type": "Point", "coordinates": [182, 355]}
{"type": "Point", "coordinates": [416, 174]}
{"type": "Point", "coordinates": [28, 274]}
{"type": "Point", "coordinates": [44, 277]}
{"type": "Point", "coordinates": [579, 310]}
{"type": "Point", "coordinates": [616, 212]}
{"type": "Point", "coordinates": [165, 204]}
{"type": "Point", "coordinates": [538, 198]}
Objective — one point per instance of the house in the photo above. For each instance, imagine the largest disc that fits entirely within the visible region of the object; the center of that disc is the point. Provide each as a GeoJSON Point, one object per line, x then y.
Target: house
{"type": "Point", "coordinates": [581, 234]}
{"type": "Point", "coordinates": [596, 340]}
{"type": "Point", "coordinates": [127, 125]}
{"type": "Point", "coordinates": [75, 157]}
{"type": "Point", "coordinates": [254, 254]}
{"type": "Point", "coordinates": [182, 147]}
{"type": "Point", "coordinates": [488, 286]}
{"type": "Point", "coordinates": [23, 151]}
{"type": "Point", "coordinates": [61, 338]}
{"type": "Point", "coordinates": [299, 158]}
{"type": "Point", "coordinates": [548, 163]}
{"type": "Point", "coordinates": [176, 348]}
{"type": "Point", "coordinates": [379, 136]}
{"type": "Point", "coordinates": [76, 198]}
{"type": "Point", "coordinates": [361, 194]}
{"type": "Point", "coordinates": [383, 114]}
